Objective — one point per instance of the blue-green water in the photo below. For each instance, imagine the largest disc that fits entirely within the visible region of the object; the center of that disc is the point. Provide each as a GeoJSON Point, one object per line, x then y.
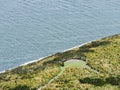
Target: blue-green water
{"type": "Point", "coordinates": [31, 29]}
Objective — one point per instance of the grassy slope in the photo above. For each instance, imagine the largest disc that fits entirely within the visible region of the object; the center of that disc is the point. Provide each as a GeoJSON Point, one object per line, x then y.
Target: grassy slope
{"type": "Point", "coordinates": [102, 55]}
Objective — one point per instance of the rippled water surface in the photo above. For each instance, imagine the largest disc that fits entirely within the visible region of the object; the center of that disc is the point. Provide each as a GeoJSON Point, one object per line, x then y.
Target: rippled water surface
{"type": "Point", "coordinates": [30, 29]}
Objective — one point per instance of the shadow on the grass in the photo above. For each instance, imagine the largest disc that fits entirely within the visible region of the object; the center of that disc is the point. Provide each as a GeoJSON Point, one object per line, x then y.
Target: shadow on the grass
{"type": "Point", "coordinates": [101, 82]}
{"type": "Point", "coordinates": [22, 87]}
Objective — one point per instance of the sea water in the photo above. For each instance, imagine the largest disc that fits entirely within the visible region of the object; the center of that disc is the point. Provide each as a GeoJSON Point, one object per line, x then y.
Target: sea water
{"type": "Point", "coordinates": [31, 29]}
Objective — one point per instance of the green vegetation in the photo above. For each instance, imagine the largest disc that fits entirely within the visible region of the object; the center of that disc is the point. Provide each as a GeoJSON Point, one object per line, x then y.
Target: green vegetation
{"type": "Point", "coordinates": [52, 74]}
{"type": "Point", "coordinates": [75, 63]}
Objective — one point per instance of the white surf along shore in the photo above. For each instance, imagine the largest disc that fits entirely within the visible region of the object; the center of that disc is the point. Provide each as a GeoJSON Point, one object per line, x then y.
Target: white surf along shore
{"type": "Point", "coordinates": [48, 56]}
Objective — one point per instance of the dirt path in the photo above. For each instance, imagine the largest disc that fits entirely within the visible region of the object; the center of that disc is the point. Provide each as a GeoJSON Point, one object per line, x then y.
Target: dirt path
{"type": "Point", "coordinates": [70, 63]}
{"type": "Point", "coordinates": [92, 69]}
{"type": "Point", "coordinates": [59, 74]}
